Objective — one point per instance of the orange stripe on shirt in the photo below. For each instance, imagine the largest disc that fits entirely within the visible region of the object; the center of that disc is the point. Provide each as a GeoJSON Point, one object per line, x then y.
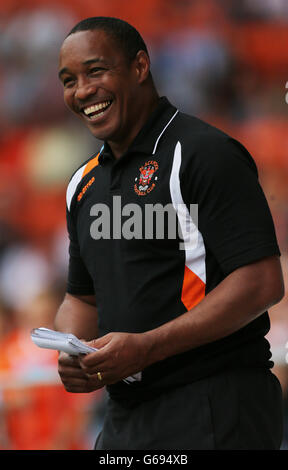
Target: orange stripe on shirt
{"type": "Point", "coordinates": [91, 164]}
{"type": "Point", "coordinates": [193, 290]}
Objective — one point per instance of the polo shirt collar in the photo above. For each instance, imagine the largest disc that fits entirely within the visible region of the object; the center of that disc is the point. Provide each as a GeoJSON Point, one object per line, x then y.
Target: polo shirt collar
{"type": "Point", "coordinates": [148, 137]}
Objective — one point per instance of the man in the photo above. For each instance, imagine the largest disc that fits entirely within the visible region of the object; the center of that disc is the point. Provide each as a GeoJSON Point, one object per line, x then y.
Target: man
{"type": "Point", "coordinates": [187, 313]}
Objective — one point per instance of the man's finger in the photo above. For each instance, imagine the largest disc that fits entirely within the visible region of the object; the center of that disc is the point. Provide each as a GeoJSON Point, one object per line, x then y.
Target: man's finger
{"type": "Point", "coordinates": [93, 367]}
{"type": "Point", "coordinates": [68, 360]}
{"type": "Point", "coordinates": [95, 358]}
{"type": "Point", "coordinates": [72, 372]}
{"type": "Point", "coordinates": [77, 387]}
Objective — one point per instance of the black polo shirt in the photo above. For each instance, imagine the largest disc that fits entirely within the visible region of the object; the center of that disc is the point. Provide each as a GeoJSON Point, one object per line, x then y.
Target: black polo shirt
{"type": "Point", "coordinates": [144, 274]}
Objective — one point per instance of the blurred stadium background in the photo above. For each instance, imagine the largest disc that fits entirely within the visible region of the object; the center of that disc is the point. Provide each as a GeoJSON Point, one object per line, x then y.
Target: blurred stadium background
{"type": "Point", "coordinates": [223, 60]}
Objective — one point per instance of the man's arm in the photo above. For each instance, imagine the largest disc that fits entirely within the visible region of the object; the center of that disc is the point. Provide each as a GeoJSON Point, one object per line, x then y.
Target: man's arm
{"type": "Point", "coordinates": [77, 315]}
{"type": "Point", "coordinates": [240, 298]}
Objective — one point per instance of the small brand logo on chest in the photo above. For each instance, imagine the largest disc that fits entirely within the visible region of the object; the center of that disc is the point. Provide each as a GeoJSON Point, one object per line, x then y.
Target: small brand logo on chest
{"type": "Point", "coordinates": [146, 181]}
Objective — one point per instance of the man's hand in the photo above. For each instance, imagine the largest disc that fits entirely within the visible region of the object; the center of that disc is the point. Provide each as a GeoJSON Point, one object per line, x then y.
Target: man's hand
{"type": "Point", "coordinates": [73, 376]}
{"type": "Point", "coordinates": [120, 355]}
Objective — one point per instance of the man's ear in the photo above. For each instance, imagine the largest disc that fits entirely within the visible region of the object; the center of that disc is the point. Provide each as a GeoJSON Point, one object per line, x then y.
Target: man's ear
{"type": "Point", "coordinates": [142, 62]}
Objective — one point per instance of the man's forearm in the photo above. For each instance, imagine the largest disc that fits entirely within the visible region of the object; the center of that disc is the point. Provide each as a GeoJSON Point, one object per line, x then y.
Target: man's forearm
{"type": "Point", "coordinates": [240, 298]}
{"type": "Point", "coordinates": [78, 316]}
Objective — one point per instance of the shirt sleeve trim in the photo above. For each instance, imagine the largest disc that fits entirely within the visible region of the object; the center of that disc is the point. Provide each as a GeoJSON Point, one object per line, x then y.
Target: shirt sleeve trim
{"type": "Point", "coordinates": [79, 290]}
{"type": "Point", "coordinates": [248, 257]}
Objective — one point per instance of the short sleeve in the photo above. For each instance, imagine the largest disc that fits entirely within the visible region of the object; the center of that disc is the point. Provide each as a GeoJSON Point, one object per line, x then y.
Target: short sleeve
{"type": "Point", "coordinates": [79, 280]}
{"type": "Point", "coordinates": [233, 214]}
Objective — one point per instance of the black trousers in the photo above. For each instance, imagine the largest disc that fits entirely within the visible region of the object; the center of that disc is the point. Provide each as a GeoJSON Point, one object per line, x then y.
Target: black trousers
{"type": "Point", "coordinates": [235, 410]}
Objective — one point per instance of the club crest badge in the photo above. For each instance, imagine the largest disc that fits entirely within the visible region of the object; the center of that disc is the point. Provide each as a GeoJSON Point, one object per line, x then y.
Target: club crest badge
{"type": "Point", "coordinates": [146, 181]}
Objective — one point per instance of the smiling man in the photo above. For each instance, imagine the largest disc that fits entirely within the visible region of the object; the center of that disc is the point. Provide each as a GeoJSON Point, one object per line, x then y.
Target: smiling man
{"type": "Point", "coordinates": [180, 332]}
{"type": "Point", "coordinates": [102, 88]}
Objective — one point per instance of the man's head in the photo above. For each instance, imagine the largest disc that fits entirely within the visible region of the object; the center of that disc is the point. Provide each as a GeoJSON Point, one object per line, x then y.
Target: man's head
{"type": "Point", "coordinates": [105, 70]}
{"type": "Point", "coordinates": [125, 35]}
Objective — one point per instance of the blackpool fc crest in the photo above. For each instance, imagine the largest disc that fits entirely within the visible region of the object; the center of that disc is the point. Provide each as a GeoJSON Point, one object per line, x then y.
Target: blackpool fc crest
{"type": "Point", "coordinates": [146, 181]}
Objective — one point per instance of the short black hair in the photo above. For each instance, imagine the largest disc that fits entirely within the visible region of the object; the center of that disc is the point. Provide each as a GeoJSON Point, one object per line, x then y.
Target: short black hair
{"type": "Point", "coordinates": [122, 32]}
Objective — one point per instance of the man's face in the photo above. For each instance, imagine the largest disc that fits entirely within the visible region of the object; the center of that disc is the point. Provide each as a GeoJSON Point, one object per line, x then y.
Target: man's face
{"type": "Point", "coordinates": [100, 86]}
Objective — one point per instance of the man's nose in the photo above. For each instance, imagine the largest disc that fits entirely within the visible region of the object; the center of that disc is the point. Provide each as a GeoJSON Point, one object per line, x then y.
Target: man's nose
{"type": "Point", "coordinates": [84, 90]}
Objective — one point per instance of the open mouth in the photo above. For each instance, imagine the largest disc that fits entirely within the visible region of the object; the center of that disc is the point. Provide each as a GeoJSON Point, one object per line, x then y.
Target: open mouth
{"type": "Point", "coordinates": [96, 110]}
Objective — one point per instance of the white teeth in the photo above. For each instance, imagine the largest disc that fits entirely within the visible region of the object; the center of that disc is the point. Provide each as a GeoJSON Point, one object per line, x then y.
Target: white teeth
{"type": "Point", "coordinates": [96, 107]}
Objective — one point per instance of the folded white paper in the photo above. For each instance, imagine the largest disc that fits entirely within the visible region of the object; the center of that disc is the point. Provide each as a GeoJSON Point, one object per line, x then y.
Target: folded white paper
{"type": "Point", "coordinates": [50, 339]}
{"type": "Point", "coordinates": [67, 342]}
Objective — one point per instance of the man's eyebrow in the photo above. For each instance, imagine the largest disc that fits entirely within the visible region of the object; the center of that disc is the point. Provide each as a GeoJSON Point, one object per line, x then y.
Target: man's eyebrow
{"type": "Point", "coordinates": [95, 59]}
{"type": "Point", "coordinates": [87, 62]}
{"type": "Point", "coordinates": [64, 70]}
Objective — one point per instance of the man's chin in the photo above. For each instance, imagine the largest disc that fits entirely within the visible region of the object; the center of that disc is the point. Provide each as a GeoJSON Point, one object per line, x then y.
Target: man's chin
{"type": "Point", "coordinates": [101, 134]}
{"type": "Point", "coordinates": [106, 133]}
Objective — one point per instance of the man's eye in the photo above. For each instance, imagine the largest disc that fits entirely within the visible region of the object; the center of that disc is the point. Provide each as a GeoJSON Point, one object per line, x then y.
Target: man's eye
{"type": "Point", "coordinates": [67, 81]}
{"type": "Point", "coordinates": [96, 69]}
